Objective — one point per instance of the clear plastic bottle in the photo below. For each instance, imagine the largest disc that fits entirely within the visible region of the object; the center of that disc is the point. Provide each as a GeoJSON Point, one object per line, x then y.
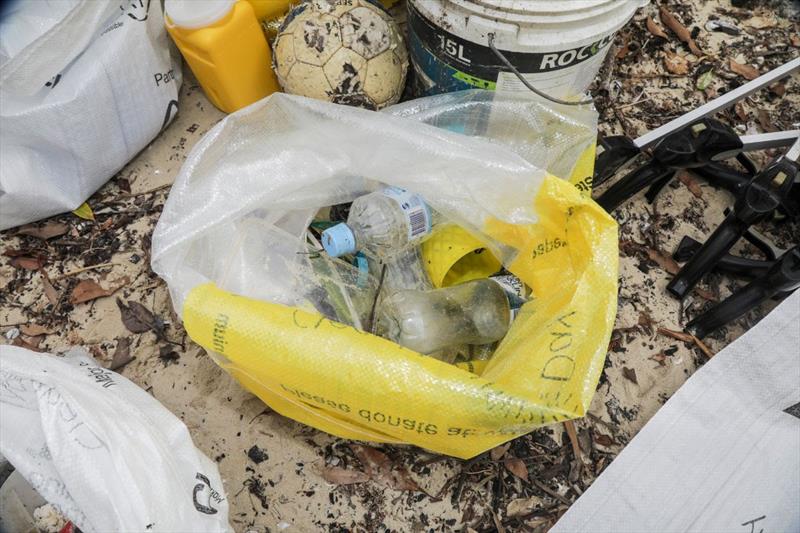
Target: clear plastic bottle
{"type": "Point", "coordinates": [384, 222]}
{"type": "Point", "coordinates": [405, 271]}
{"type": "Point", "coordinates": [476, 312]}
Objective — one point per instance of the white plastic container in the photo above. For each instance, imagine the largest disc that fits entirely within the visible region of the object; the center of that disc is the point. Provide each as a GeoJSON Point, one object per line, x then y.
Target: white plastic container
{"type": "Point", "coordinates": [558, 45]}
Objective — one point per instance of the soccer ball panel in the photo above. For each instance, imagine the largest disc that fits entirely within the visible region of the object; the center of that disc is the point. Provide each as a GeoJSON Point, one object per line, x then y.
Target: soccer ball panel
{"type": "Point", "coordinates": [384, 78]}
{"type": "Point", "coordinates": [365, 32]}
{"type": "Point", "coordinates": [316, 37]}
{"type": "Point", "coordinates": [284, 49]}
{"type": "Point", "coordinates": [307, 80]}
{"type": "Point", "coordinates": [345, 71]}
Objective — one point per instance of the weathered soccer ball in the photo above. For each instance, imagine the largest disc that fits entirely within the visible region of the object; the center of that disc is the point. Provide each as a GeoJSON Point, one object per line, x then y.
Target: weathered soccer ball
{"type": "Point", "coordinates": [344, 51]}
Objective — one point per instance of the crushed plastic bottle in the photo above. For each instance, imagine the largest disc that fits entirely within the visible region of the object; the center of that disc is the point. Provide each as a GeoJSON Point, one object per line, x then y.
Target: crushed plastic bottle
{"type": "Point", "coordinates": [383, 222]}
{"type": "Point", "coordinates": [405, 271]}
{"type": "Point", "coordinates": [476, 312]}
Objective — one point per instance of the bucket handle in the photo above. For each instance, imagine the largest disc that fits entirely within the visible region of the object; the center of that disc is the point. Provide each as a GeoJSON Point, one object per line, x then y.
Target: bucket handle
{"type": "Point", "coordinates": [526, 83]}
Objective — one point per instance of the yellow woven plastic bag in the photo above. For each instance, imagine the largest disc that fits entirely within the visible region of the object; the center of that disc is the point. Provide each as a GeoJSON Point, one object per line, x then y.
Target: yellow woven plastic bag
{"type": "Point", "coordinates": [231, 246]}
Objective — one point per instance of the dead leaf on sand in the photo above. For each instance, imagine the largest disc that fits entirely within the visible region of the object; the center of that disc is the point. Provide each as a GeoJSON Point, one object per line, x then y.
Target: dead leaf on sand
{"type": "Point", "coordinates": [680, 30]}
{"type": "Point", "coordinates": [603, 440]}
{"type": "Point", "coordinates": [666, 263]}
{"type": "Point", "coordinates": [33, 346]}
{"type": "Point", "coordinates": [748, 72]}
{"type": "Point", "coordinates": [48, 230]}
{"type": "Point", "coordinates": [778, 89]}
{"type": "Point", "coordinates": [53, 296]}
{"type": "Point", "coordinates": [522, 506]}
{"type": "Point", "coordinates": [499, 451]}
{"type": "Point", "coordinates": [630, 374]}
{"type": "Point", "coordinates": [692, 184]}
{"type": "Point", "coordinates": [765, 121]}
{"type": "Point", "coordinates": [122, 354]}
{"type": "Point", "coordinates": [136, 317]}
{"type": "Point", "coordinates": [517, 467]}
{"type": "Point", "coordinates": [655, 29]}
{"type": "Point", "coordinates": [27, 263]}
{"type": "Point", "coordinates": [88, 290]}
{"type": "Point", "coordinates": [676, 64]}
{"type": "Point", "coordinates": [380, 468]}
{"type": "Point", "coordinates": [342, 476]}
{"type": "Point", "coordinates": [34, 330]}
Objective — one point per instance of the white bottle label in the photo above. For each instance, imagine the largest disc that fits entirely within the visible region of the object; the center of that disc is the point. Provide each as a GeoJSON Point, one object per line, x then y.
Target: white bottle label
{"type": "Point", "coordinates": [515, 290]}
{"type": "Point", "coordinates": [416, 211]}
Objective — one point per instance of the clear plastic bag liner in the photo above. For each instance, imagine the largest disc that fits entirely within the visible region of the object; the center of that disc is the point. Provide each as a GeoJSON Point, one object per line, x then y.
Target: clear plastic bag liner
{"type": "Point", "coordinates": [255, 291]}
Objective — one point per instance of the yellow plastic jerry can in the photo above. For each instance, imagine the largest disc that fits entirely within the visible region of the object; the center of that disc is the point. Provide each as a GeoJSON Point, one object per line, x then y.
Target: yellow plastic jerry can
{"type": "Point", "coordinates": [224, 45]}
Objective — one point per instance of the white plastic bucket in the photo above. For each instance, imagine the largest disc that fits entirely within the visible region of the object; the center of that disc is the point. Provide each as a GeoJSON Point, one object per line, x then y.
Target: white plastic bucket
{"type": "Point", "coordinates": [558, 45]}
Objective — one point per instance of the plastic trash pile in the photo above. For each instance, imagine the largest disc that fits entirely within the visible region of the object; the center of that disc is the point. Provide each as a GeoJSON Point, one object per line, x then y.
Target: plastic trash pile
{"type": "Point", "coordinates": [382, 237]}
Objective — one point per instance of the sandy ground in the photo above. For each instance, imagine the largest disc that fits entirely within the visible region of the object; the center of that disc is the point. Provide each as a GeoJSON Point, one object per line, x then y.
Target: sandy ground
{"type": "Point", "coordinates": [271, 465]}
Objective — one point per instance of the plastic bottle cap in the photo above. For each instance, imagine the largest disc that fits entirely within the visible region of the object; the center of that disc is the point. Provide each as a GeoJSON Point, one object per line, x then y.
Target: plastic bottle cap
{"type": "Point", "coordinates": [196, 13]}
{"type": "Point", "coordinates": [339, 240]}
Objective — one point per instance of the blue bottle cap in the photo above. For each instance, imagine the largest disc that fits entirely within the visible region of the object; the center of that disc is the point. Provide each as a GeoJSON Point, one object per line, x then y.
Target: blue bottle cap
{"type": "Point", "coordinates": [339, 240]}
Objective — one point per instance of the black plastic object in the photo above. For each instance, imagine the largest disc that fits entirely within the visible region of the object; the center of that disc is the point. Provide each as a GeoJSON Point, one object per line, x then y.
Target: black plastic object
{"type": "Point", "coordinates": [780, 280]}
{"type": "Point", "coordinates": [617, 150]}
{"type": "Point", "coordinates": [757, 201]}
{"type": "Point", "coordinates": [724, 176]}
{"type": "Point", "coordinates": [729, 264]}
{"type": "Point", "coordinates": [695, 145]}
{"type": "Point", "coordinates": [734, 181]}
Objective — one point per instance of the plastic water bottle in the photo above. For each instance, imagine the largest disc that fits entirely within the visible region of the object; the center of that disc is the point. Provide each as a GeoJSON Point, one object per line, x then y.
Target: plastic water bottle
{"type": "Point", "coordinates": [405, 271]}
{"type": "Point", "coordinates": [475, 312]}
{"type": "Point", "coordinates": [383, 222]}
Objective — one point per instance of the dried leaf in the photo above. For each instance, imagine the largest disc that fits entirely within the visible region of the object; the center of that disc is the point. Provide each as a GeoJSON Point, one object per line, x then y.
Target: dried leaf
{"type": "Point", "coordinates": [84, 211]}
{"type": "Point", "coordinates": [676, 64]}
{"type": "Point", "coordinates": [692, 184]}
{"type": "Point", "coordinates": [747, 71]}
{"type": "Point", "coordinates": [741, 111]}
{"type": "Point", "coordinates": [655, 29]}
{"type": "Point", "coordinates": [778, 89]}
{"type": "Point", "coordinates": [380, 468]}
{"type": "Point", "coordinates": [522, 506]}
{"type": "Point", "coordinates": [20, 342]}
{"type": "Point", "coordinates": [27, 263]}
{"type": "Point", "coordinates": [342, 476]}
{"type": "Point", "coordinates": [705, 79]}
{"type": "Point", "coordinates": [765, 122]}
{"type": "Point", "coordinates": [46, 231]}
{"type": "Point", "coordinates": [630, 374]}
{"type": "Point", "coordinates": [53, 296]}
{"type": "Point", "coordinates": [136, 317]}
{"type": "Point", "coordinates": [680, 30]}
{"type": "Point", "coordinates": [659, 358]}
{"type": "Point", "coordinates": [499, 451]}
{"type": "Point", "coordinates": [603, 440]}
{"type": "Point", "coordinates": [666, 263]}
{"type": "Point", "coordinates": [794, 38]}
{"type": "Point", "coordinates": [34, 330]}
{"type": "Point", "coordinates": [88, 290]}
{"type": "Point", "coordinates": [517, 467]}
{"type": "Point", "coordinates": [122, 354]}
{"type": "Point", "coordinates": [624, 49]}
{"type": "Point", "coordinates": [645, 320]}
